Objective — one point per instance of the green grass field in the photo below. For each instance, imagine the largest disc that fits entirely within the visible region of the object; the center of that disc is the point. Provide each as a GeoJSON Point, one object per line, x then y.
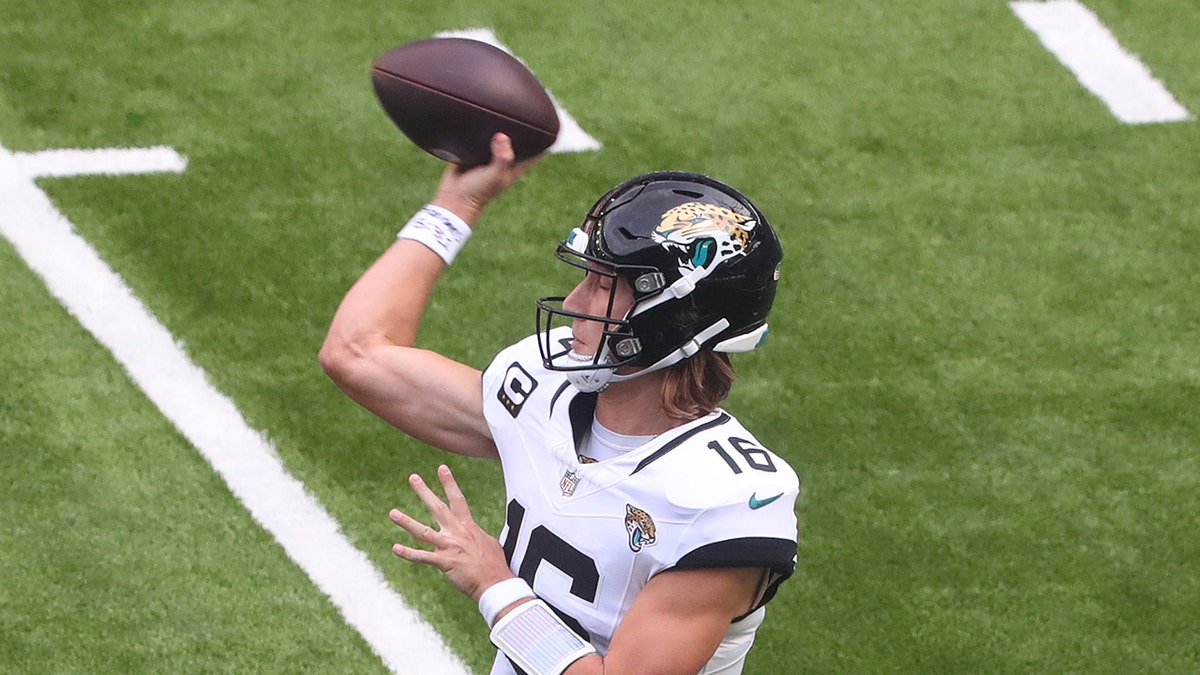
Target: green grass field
{"type": "Point", "coordinates": [984, 362]}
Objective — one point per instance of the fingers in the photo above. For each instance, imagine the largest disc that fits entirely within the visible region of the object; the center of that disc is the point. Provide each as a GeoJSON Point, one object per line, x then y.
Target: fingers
{"type": "Point", "coordinates": [417, 529]}
{"type": "Point", "coordinates": [448, 517]}
{"type": "Point", "coordinates": [415, 555]}
{"type": "Point", "coordinates": [466, 191]}
{"type": "Point", "coordinates": [454, 494]}
{"type": "Point", "coordinates": [505, 158]}
{"type": "Point", "coordinates": [437, 508]}
{"type": "Point", "coordinates": [502, 151]}
{"type": "Point", "coordinates": [503, 170]}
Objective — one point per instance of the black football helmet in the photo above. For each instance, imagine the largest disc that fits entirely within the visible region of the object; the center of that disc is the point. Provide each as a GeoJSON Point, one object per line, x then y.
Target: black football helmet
{"type": "Point", "coordinates": [703, 263]}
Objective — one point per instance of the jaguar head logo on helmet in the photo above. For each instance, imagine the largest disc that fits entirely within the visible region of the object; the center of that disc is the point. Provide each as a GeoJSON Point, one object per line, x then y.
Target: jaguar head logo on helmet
{"type": "Point", "coordinates": [704, 234]}
{"type": "Point", "coordinates": [703, 264]}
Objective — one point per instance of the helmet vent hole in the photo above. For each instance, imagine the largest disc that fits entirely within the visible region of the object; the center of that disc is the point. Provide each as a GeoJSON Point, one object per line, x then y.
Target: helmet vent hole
{"type": "Point", "coordinates": [627, 234]}
{"type": "Point", "coordinates": [688, 193]}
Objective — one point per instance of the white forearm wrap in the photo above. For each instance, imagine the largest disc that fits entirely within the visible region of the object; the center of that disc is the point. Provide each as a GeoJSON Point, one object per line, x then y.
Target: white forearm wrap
{"type": "Point", "coordinates": [537, 640]}
{"type": "Point", "coordinates": [439, 229]}
{"type": "Point", "coordinates": [501, 595]}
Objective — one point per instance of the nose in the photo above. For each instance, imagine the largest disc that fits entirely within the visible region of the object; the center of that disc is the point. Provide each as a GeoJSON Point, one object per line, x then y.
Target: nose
{"type": "Point", "coordinates": [574, 301]}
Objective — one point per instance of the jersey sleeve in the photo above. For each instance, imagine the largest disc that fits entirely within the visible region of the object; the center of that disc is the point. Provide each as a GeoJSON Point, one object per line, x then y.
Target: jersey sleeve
{"type": "Point", "coordinates": [745, 534]}
{"type": "Point", "coordinates": [747, 518]}
{"type": "Point", "coordinates": [520, 399]}
{"type": "Point", "coordinates": [513, 379]}
{"type": "Point", "coordinates": [495, 372]}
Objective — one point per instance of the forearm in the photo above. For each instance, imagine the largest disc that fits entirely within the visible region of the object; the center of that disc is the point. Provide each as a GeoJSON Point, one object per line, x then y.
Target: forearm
{"type": "Point", "coordinates": [673, 628]}
{"type": "Point", "coordinates": [388, 301]}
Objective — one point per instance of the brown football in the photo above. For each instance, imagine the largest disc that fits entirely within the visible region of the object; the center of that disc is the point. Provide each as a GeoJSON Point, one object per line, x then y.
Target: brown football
{"type": "Point", "coordinates": [451, 95]}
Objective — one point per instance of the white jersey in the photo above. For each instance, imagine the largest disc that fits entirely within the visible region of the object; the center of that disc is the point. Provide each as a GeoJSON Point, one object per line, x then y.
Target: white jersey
{"type": "Point", "coordinates": [588, 536]}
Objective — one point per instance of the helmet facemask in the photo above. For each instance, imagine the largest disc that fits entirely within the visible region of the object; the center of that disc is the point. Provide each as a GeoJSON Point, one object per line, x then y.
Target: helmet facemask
{"type": "Point", "coordinates": [617, 345]}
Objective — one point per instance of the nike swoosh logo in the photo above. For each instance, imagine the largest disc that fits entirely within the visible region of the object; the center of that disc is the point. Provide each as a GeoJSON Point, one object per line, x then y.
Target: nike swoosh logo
{"type": "Point", "coordinates": [756, 503]}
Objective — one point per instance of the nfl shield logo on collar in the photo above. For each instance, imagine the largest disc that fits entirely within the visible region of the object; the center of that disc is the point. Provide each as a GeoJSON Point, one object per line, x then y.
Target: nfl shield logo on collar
{"type": "Point", "coordinates": [568, 483]}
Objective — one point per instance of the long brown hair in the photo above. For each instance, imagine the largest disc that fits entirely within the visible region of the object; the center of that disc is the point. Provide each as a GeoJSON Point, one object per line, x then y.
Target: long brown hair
{"type": "Point", "coordinates": [697, 386]}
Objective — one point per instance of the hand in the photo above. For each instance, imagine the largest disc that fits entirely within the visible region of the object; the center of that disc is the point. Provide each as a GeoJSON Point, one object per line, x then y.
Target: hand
{"type": "Point", "coordinates": [465, 191]}
{"type": "Point", "coordinates": [469, 557]}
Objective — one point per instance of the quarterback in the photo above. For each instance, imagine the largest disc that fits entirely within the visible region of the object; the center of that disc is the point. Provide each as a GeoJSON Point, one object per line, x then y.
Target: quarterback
{"type": "Point", "coordinates": [646, 529]}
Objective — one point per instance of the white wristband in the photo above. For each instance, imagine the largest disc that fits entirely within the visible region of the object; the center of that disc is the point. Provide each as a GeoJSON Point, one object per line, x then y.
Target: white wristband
{"type": "Point", "coordinates": [501, 595]}
{"type": "Point", "coordinates": [537, 640]}
{"type": "Point", "coordinates": [439, 229]}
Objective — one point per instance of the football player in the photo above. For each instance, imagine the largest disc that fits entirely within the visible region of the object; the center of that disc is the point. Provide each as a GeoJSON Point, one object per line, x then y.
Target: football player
{"type": "Point", "coordinates": [646, 528]}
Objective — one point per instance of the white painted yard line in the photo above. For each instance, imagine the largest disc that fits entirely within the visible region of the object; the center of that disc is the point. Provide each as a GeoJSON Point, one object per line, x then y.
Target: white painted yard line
{"type": "Point", "coordinates": [571, 136]}
{"type": "Point", "coordinates": [243, 457]}
{"type": "Point", "coordinates": [105, 161]}
{"type": "Point", "coordinates": [1085, 46]}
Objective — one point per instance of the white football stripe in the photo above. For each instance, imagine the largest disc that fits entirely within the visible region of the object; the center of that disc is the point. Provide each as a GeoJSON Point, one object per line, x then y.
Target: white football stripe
{"type": "Point", "coordinates": [1085, 46]}
{"type": "Point", "coordinates": [242, 456]}
{"type": "Point", "coordinates": [571, 136]}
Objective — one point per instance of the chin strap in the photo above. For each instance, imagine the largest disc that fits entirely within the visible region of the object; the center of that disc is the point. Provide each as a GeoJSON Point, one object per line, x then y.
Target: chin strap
{"type": "Point", "coordinates": [591, 380]}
